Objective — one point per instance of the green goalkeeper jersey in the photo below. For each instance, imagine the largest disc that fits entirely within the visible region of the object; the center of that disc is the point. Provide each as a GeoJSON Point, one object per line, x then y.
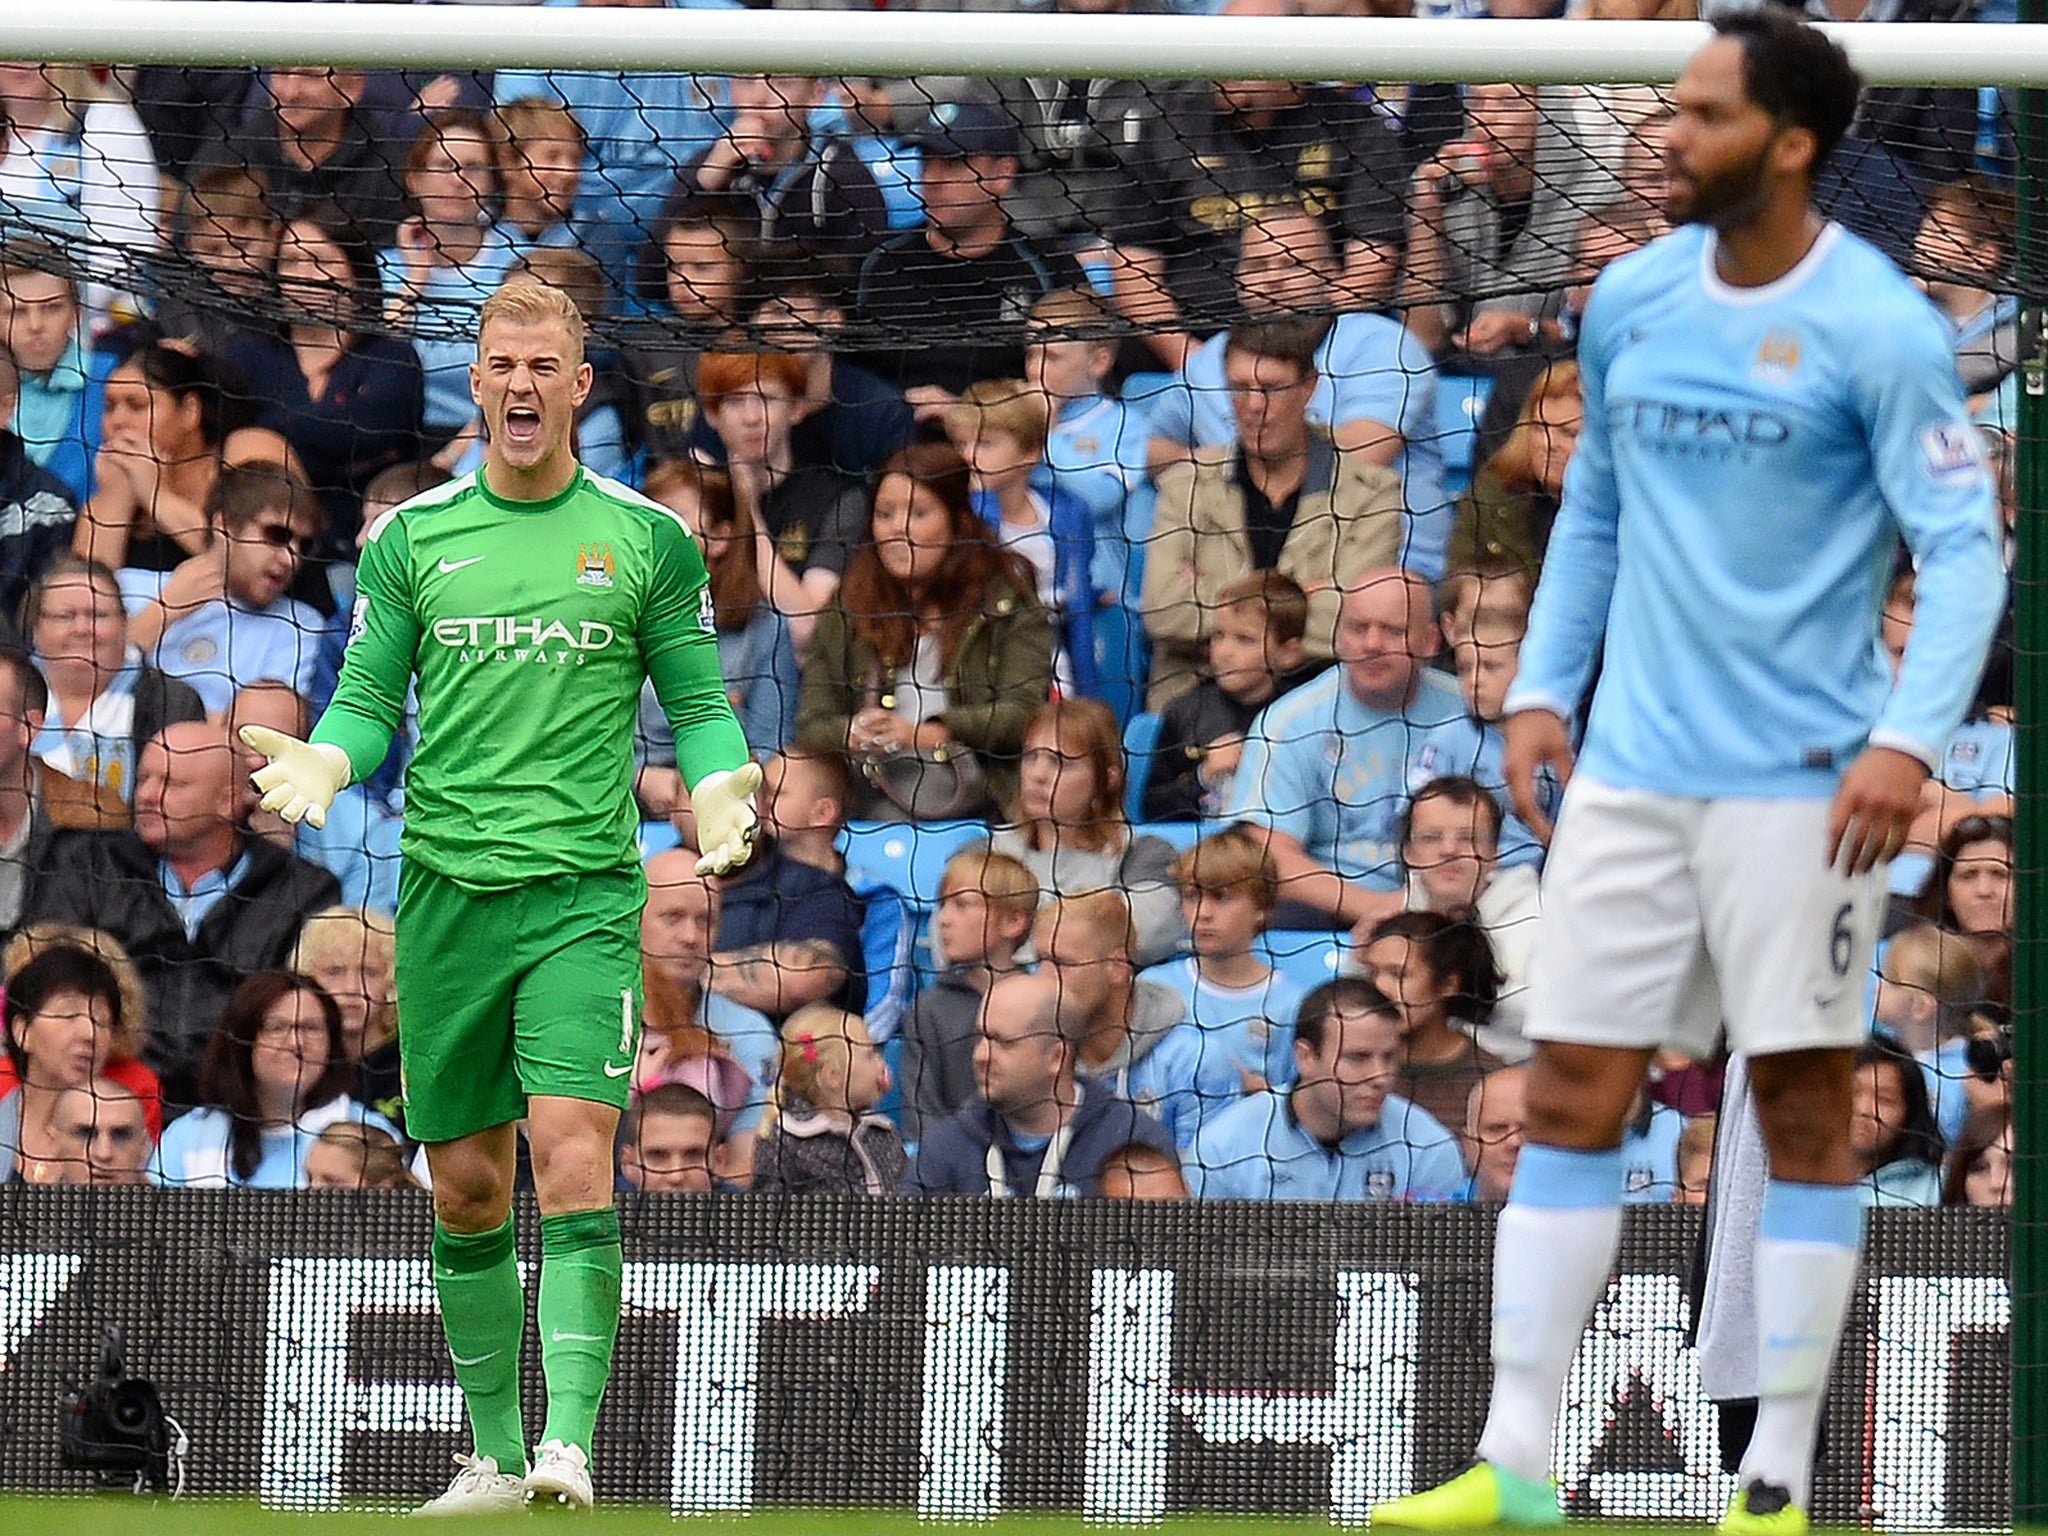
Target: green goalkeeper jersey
{"type": "Point", "coordinates": [530, 627]}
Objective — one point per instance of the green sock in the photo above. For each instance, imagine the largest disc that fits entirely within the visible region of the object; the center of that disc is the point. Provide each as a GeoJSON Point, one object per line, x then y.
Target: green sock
{"type": "Point", "coordinates": [580, 1268]}
{"type": "Point", "coordinates": [483, 1312]}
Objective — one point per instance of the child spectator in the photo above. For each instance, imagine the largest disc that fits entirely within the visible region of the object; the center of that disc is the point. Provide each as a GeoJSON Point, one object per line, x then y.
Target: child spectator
{"type": "Point", "coordinates": [809, 516]}
{"type": "Point", "coordinates": [540, 169]}
{"type": "Point", "coordinates": [1095, 448]}
{"type": "Point", "coordinates": [1068, 826]}
{"type": "Point", "coordinates": [1892, 1132]}
{"type": "Point", "coordinates": [1450, 846]}
{"type": "Point", "coordinates": [1491, 586]}
{"type": "Point", "coordinates": [1341, 1132]}
{"type": "Point", "coordinates": [1928, 982]}
{"type": "Point", "coordinates": [999, 427]}
{"type": "Point", "coordinates": [57, 415]}
{"type": "Point", "coordinates": [986, 903]}
{"type": "Point", "coordinates": [1255, 655]}
{"type": "Point", "coordinates": [1487, 650]}
{"type": "Point", "coordinates": [1439, 974]}
{"type": "Point", "coordinates": [1140, 1172]}
{"type": "Point", "coordinates": [790, 929]}
{"type": "Point", "coordinates": [1243, 1007]}
{"type": "Point", "coordinates": [669, 1142]}
{"type": "Point", "coordinates": [825, 1137]}
{"type": "Point", "coordinates": [350, 1155]}
{"type": "Point", "coordinates": [222, 618]}
{"type": "Point", "coordinates": [1695, 1160]}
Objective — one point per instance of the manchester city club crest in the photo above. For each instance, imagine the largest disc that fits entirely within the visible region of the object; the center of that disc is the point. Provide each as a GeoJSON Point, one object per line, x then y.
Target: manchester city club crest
{"type": "Point", "coordinates": [593, 565]}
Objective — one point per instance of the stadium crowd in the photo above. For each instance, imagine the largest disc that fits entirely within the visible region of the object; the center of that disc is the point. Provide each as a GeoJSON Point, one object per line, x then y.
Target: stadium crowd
{"type": "Point", "coordinates": [1122, 502]}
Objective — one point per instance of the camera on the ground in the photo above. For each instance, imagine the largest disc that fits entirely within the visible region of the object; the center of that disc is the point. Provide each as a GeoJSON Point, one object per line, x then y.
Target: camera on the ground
{"type": "Point", "coordinates": [113, 1427]}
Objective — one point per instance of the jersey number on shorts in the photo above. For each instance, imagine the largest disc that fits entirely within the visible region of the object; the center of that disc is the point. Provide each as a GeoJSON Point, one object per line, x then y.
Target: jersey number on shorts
{"type": "Point", "coordinates": [1841, 942]}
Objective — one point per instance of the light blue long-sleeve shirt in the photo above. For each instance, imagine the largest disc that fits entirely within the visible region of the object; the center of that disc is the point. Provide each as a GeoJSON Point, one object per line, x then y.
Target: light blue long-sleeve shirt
{"type": "Point", "coordinates": [1749, 459]}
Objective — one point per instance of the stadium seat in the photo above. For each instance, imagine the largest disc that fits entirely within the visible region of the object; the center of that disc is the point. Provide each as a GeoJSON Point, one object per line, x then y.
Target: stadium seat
{"type": "Point", "coordinates": [1307, 957]}
{"type": "Point", "coordinates": [1141, 736]}
{"type": "Point", "coordinates": [1460, 402]}
{"type": "Point", "coordinates": [907, 857]}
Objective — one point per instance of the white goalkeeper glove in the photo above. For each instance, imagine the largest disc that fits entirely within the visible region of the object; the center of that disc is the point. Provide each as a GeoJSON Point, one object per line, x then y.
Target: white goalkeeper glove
{"type": "Point", "coordinates": [301, 779]}
{"type": "Point", "coordinates": [726, 819]}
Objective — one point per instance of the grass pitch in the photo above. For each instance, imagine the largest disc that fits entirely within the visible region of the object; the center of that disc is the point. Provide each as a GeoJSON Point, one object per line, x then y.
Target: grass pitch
{"type": "Point", "coordinates": [125, 1515]}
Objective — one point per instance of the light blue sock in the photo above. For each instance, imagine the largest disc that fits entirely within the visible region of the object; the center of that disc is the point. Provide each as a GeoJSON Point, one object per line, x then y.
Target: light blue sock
{"type": "Point", "coordinates": [1552, 1253]}
{"type": "Point", "coordinates": [1809, 1239]}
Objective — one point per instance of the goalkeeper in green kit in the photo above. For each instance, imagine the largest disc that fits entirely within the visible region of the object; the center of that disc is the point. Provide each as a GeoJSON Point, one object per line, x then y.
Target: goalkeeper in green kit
{"type": "Point", "coordinates": [530, 600]}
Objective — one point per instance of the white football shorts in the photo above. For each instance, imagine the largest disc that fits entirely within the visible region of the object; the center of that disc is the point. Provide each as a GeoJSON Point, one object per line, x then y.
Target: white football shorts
{"type": "Point", "coordinates": [1665, 918]}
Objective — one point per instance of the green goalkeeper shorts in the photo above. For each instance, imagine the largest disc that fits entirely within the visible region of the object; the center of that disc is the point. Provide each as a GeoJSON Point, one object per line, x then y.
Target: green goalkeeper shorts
{"type": "Point", "coordinates": [508, 995]}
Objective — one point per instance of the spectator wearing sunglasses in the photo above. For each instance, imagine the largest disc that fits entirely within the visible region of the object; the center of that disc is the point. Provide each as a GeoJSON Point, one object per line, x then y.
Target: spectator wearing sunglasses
{"type": "Point", "coordinates": [222, 618]}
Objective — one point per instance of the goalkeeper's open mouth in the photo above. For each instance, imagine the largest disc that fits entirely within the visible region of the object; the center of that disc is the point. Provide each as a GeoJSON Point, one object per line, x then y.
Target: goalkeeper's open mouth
{"type": "Point", "coordinates": [522, 424]}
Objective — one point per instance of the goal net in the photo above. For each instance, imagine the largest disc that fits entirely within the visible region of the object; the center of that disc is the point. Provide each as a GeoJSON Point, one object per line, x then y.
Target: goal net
{"type": "Point", "coordinates": [1043, 390]}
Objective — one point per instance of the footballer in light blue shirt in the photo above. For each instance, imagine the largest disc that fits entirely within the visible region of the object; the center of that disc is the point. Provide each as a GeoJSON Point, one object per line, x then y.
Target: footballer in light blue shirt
{"type": "Point", "coordinates": [1769, 407]}
{"type": "Point", "coordinates": [1730, 516]}
{"type": "Point", "coordinates": [1340, 1133]}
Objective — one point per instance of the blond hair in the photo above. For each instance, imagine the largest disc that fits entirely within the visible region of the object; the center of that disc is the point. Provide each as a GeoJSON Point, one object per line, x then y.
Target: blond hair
{"type": "Point", "coordinates": [1004, 882]}
{"type": "Point", "coordinates": [525, 301]}
{"type": "Point", "coordinates": [131, 1035]}
{"type": "Point", "coordinates": [1103, 915]}
{"type": "Point", "coordinates": [1943, 965]}
{"type": "Point", "coordinates": [350, 935]}
{"type": "Point", "coordinates": [1003, 405]}
{"type": "Point", "coordinates": [815, 1035]}
{"type": "Point", "coordinates": [1235, 859]}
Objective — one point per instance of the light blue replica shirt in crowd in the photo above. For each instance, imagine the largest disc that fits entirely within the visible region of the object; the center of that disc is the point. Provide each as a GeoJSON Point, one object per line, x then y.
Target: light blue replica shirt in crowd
{"type": "Point", "coordinates": [444, 322]}
{"type": "Point", "coordinates": [1749, 460]}
{"type": "Point", "coordinates": [1475, 750]}
{"type": "Point", "coordinates": [1257, 1150]}
{"type": "Point", "coordinates": [1649, 1157]}
{"type": "Point", "coordinates": [224, 645]}
{"type": "Point", "coordinates": [1368, 367]}
{"type": "Point", "coordinates": [1249, 1028]}
{"type": "Point", "coordinates": [1096, 454]}
{"type": "Point", "coordinates": [1333, 773]}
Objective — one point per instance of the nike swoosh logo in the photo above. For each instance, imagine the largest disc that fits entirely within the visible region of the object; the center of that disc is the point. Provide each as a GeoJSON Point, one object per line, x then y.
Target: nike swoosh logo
{"type": "Point", "coordinates": [456, 565]}
{"type": "Point", "coordinates": [559, 1337]}
{"type": "Point", "coordinates": [612, 1071]}
{"type": "Point", "coordinates": [478, 1360]}
{"type": "Point", "coordinates": [1794, 1340]}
